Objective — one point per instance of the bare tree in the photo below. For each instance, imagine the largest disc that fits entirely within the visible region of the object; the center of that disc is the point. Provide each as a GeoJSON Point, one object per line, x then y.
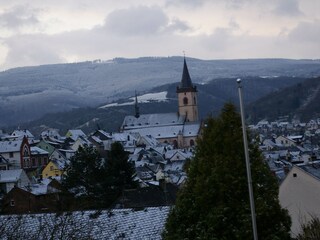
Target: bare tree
{"type": "Point", "coordinates": [62, 226]}
{"type": "Point", "coordinates": [310, 230]}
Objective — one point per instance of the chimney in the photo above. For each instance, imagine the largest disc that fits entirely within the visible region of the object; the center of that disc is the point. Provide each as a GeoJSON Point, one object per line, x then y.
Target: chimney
{"type": "Point", "coordinates": [286, 170]}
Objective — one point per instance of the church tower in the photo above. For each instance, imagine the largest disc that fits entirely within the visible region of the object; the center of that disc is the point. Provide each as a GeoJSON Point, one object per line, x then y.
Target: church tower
{"type": "Point", "coordinates": [187, 96]}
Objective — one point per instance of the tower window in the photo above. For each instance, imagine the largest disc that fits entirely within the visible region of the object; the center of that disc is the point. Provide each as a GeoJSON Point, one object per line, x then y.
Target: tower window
{"type": "Point", "coordinates": [185, 100]}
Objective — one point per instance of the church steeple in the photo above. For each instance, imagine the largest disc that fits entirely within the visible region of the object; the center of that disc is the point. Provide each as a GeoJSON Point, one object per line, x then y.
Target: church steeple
{"type": "Point", "coordinates": [187, 96]}
{"type": "Point", "coordinates": [185, 80]}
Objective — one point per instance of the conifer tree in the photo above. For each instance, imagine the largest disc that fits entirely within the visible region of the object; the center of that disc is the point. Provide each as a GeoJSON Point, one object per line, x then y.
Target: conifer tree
{"type": "Point", "coordinates": [214, 202]}
{"type": "Point", "coordinates": [97, 182]}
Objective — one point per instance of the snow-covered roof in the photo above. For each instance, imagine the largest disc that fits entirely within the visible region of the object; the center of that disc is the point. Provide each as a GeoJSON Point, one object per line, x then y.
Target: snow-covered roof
{"type": "Point", "coordinates": [152, 120]}
{"type": "Point", "coordinates": [51, 132]}
{"type": "Point", "coordinates": [185, 154]}
{"type": "Point", "coordinates": [148, 140]}
{"type": "Point", "coordinates": [107, 224]}
{"type": "Point", "coordinates": [76, 133]}
{"type": "Point", "coordinates": [188, 130]}
{"type": "Point", "coordinates": [10, 146]}
{"type": "Point", "coordinates": [22, 133]}
{"type": "Point", "coordinates": [38, 151]}
{"type": "Point", "coordinates": [174, 166]}
{"type": "Point", "coordinates": [12, 175]}
{"type": "Point", "coordinates": [59, 163]}
{"type": "Point", "coordinates": [41, 188]}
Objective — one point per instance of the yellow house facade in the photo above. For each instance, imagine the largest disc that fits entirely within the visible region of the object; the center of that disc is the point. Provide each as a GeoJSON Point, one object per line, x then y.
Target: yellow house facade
{"type": "Point", "coordinates": [55, 168]}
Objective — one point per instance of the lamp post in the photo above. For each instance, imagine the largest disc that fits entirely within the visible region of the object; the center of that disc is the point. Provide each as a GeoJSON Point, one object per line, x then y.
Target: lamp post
{"type": "Point", "coordinates": [246, 153]}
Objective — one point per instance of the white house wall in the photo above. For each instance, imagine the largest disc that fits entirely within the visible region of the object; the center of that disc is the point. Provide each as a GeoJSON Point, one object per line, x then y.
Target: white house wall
{"type": "Point", "coordinates": [301, 196]}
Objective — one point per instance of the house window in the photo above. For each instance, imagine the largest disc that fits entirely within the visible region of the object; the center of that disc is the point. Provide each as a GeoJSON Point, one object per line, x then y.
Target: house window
{"type": "Point", "coordinates": [33, 162]}
{"type": "Point", "coordinates": [11, 154]}
{"type": "Point", "coordinates": [191, 142]}
{"type": "Point", "coordinates": [51, 168]}
{"type": "Point", "coordinates": [26, 152]}
{"type": "Point", "coordinates": [294, 175]}
{"type": "Point", "coordinates": [12, 203]}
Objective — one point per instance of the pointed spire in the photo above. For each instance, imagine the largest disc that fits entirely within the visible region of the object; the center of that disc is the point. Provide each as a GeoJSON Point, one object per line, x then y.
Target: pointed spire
{"type": "Point", "coordinates": [185, 80]}
{"type": "Point", "coordinates": [136, 107]}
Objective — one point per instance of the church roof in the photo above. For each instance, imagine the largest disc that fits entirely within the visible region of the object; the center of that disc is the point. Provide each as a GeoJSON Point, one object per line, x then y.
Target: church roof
{"type": "Point", "coordinates": [152, 120]}
{"type": "Point", "coordinates": [186, 83]}
{"type": "Point", "coordinates": [187, 130]}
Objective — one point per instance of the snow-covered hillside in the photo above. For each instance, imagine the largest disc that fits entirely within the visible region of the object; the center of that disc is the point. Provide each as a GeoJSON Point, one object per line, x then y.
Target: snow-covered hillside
{"type": "Point", "coordinates": [145, 98]}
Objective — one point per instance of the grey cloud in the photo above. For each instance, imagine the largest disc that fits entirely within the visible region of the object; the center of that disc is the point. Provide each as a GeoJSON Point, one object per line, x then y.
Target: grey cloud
{"type": "Point", "coordinates": [27, 50]}
{"type": "Point", "coordinates": [140, 20]}
{"type": "Point", "coordinates": [186, 3]}
{"type": "Point", "coordinates": [19, 16]}
{"type": "Point", "coordinates": [218, 41]}
{"type": "Point", "coordinates": [178, 26]}
{"type": "Point", "coordinates": [287, 8]}
{"type": "Point", "coordinates": [306, 32]}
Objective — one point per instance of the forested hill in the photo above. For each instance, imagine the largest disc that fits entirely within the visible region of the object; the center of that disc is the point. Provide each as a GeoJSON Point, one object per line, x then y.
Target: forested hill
{"type": "Point", "coordinates": [211, 97]}
{"type": "Point", "coordinates": [299, 101]}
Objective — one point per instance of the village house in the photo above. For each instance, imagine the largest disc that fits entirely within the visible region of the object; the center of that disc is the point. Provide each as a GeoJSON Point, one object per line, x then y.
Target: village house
{"type": "Point", "coordinates": [55, 168]}
{"type": "Point", "coordinates": [11, 178]}
{"type": "Point", "coordinates": [300, 194]}
{"type": "Point", "coordinates": [48, 146]}
{"type": "Point", "coordinates": [285, 141]}
{"type": "Point", "coordinates": [74, 134]}
{"type": "Point", "coordinates": [41, 197]}
{"type": "Point", "coordinates": [39, 157]}
{"type": "Point", "coordinates": [17, 152]}
{"type": "Point", "coordinates": [4, 163]}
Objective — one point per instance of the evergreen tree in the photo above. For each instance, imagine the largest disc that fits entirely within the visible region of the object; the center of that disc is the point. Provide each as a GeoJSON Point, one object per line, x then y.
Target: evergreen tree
{"type": "Point", "coordinates": [97, 182]}
{"type": "Point", "coordinates": [214, 202]}
{"type": "Point", "coordinates": [120, 173]}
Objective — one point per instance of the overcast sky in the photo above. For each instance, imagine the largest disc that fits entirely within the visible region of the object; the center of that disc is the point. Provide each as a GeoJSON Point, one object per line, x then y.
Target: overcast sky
{"type": "Point", "coordinates": [35, 32]}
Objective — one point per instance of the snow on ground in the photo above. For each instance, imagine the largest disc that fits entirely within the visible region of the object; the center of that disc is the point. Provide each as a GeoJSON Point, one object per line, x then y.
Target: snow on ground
{"type": "Point", "coordinates": [147, 223]}
{"type": "Point", "coordinates": [149, 97]}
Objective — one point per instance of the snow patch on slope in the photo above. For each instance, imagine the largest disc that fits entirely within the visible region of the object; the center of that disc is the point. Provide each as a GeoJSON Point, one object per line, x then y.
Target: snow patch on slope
{"type": "Point", "coordinates": [146, 98]}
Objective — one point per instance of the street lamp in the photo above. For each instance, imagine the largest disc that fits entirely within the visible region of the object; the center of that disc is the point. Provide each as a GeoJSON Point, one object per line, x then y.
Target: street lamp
{"type": "Point", "coordinates": [246, 153]}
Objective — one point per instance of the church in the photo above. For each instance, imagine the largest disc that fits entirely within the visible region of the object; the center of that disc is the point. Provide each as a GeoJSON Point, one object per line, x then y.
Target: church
{"type": "Point", "coordinates": [180, 128]}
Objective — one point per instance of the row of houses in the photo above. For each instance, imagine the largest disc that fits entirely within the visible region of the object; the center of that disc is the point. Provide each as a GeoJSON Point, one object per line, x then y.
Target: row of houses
{"type": "Point", "coordinates": [29, 165]}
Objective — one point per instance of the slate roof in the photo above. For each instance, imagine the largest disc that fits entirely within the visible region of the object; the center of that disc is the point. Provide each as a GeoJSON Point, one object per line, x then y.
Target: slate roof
{"type": "Point", "coordinates": [10, 146]}
{"type": "Point", "coordinates": [313, 169]}
{"type": "Point", "coordinates": [12, 175]}
{"type": "Point", "coordinates": [107, 224]}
